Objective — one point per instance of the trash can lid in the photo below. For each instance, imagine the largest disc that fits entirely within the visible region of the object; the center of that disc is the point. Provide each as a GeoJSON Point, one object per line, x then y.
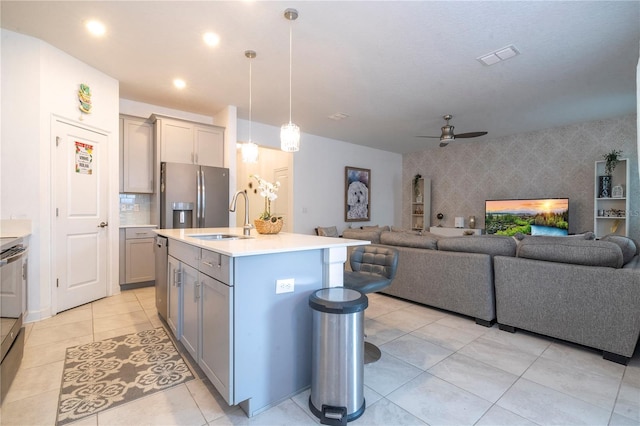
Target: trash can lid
{"type": "Point", "coordinates": [338, 300]}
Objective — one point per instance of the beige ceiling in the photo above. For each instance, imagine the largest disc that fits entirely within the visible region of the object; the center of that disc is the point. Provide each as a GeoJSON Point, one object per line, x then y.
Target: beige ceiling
{"type": "Point", "coordinates": [393, 67]}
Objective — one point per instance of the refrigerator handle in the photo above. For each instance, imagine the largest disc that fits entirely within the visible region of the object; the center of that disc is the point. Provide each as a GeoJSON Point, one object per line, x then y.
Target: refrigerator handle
{"type": "Point", "coordinates": [204, 198]}
{"type": "Point", "coordinates": [198, 199]}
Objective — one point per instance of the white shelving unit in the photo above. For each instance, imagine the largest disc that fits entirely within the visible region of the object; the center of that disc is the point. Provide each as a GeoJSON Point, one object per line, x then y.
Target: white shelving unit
{"type": "Point", "coordinates": [606, 219]}
{"type": "Point", "coordinates": [421, 208]}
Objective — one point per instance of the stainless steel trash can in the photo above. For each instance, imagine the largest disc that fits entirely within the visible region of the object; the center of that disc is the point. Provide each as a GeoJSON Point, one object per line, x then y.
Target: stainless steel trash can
{"type": "Point", "coordinates": [337, 364]}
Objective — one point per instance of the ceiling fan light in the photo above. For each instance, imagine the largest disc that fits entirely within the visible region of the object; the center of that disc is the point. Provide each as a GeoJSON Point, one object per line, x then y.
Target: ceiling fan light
{"type": "Point", "coordinates": [290, 137]}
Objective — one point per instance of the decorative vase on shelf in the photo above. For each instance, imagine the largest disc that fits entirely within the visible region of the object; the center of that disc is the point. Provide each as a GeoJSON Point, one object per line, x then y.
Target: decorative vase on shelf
{"type": "Point", "coordinates": [269, 226]}
{"type": "Point", "coordinates": [604, 186]}
{"type": "Point", "coordinates": [472, 222]}
{"type": "Point", "coordinates": [419, 198]}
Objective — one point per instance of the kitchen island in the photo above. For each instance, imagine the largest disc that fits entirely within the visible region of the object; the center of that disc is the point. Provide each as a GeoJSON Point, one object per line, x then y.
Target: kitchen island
{"type": "Point", "coordinates": [240, 307]}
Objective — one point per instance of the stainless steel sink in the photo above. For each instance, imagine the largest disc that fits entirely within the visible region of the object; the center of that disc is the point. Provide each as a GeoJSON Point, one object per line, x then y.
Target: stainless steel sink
{"type": "Point", "coordinates": [218, 237]}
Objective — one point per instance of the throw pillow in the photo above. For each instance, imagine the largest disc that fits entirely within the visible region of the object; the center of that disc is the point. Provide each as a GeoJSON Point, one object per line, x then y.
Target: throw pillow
{"type": "Point", "coordinates": [329, 231]}
{"type": "Point", "coordinates": [427, 241]}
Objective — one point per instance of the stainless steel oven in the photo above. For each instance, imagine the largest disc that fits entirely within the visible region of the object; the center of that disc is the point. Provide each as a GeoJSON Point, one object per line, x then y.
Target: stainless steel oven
{"type": "Point", "coordinates": [13, 280]}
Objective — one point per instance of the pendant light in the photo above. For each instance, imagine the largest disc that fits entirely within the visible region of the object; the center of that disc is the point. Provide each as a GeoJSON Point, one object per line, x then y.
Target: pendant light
{"type": "Point", "coordinates": [249, 149]}
{"type": "Point", "coordinates": [290, 133]}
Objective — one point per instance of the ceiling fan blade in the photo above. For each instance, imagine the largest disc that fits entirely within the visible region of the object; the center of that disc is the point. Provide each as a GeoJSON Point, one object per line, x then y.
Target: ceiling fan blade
{"type": "Point", "coordinates": [433, 137]}
{"type": "Point", "coordinates": [470, 135]}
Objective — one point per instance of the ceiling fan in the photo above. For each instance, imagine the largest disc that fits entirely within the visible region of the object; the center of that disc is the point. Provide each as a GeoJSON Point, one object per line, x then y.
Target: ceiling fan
{"type": "Point", "coordinates": [447, 133]}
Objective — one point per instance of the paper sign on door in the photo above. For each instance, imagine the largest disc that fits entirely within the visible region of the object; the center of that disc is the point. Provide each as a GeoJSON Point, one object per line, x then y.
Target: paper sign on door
{"type": "Point", "coordinates": [84, 158]}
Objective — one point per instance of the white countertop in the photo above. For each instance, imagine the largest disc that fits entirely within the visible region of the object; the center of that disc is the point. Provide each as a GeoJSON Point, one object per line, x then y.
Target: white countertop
{"type": "Point", "coordinates": [138, 226]}
{"type": "Point", "coordinates": [258, 244]}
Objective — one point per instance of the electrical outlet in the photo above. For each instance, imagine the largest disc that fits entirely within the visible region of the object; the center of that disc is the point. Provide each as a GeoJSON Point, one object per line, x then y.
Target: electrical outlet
{"type": "Point", "coordinates": [284, 286]}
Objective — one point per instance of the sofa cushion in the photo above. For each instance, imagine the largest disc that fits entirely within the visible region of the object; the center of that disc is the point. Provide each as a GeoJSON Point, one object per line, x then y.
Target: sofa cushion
{"type": "Point", "coordinates": [494, 245]}
{"type": "Point", "coordinates": [627, 245]}
{"type": "Point", "coordinates": [404, 239]}
{"type": "Point", "coordinates": [362, 234]}
{"type": "Point", "coordinates": [584, 236]}
{"type": "Point", "coordinates": [406, 231]}
{"type": "Point", "coordinates": [328, 231]}
{"type": "Point", "coordinates": [571, 250]}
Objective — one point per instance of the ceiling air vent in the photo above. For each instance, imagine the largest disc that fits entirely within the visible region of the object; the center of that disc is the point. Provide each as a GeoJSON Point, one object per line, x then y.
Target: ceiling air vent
{"type": "Point", "coordinates": [499, 55]}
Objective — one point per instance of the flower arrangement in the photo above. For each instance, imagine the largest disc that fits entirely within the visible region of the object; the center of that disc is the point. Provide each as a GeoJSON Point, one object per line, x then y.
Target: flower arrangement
{"type": "Point", "coordinates": [268, 191]}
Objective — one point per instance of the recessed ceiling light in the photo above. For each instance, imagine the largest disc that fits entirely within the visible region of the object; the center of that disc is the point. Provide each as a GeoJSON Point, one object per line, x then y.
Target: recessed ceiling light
{"type": "Point", "coordinates": [179, 83]}
{"type": "Point", "coordinates": [211, 39]}
{"type": "Point", "coordinates": [499, 55]}
{"type": "Point", "coordinates": [338, 116]}
{"type": "Point", "coordinates": [96, 28]}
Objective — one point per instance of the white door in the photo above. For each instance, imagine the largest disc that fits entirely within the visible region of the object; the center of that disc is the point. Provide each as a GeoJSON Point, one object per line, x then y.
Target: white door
{"type": "Point", "coordinates": [80, 200]}
{"type": "Point", "coordinates": [281, 204]}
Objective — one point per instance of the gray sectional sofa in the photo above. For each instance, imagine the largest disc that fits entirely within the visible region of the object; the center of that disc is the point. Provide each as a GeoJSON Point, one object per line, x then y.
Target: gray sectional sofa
{"type": "Point", "coordinates": [452, 273]}
{"type": "Point", "coordinates": [582, 291]}
{"type": "Point", "coordinates": [574, 288]}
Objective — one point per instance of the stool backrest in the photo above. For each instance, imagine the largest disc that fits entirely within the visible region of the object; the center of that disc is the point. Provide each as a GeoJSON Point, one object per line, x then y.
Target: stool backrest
{"type": "Point", "coordinates": [375, 260]}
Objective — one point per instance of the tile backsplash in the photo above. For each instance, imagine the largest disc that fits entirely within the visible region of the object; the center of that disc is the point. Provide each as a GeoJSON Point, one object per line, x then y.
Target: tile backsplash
{"type": "Point", "coordinates": [135, 209]}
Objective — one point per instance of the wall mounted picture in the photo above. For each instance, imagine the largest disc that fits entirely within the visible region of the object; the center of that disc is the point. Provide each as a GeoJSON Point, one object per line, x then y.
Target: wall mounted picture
{"type": "Point", "coordinates": [357, 194]}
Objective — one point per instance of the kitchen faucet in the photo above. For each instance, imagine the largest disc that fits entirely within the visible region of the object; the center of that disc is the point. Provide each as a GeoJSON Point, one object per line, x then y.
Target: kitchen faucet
{"type": "Point", "coordinates": [246, 228]}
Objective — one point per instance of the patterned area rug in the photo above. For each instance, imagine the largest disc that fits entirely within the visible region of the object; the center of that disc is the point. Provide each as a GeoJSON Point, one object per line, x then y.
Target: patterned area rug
{"type": "Point", "coordinates": [105, 374]}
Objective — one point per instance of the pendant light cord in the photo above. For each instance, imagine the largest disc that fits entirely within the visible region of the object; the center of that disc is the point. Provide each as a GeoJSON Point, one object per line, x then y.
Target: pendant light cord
{"type": "Point", "coordinates": [250, 103]}
{"type": "Point", "coordinates": [290, 63]}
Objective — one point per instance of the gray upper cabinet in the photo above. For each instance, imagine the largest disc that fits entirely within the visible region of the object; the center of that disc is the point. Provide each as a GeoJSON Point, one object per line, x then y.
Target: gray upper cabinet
{"type": "Point", "coordinates": [136, 167]}
{"type": "Point", "coordinates": [187, 142]}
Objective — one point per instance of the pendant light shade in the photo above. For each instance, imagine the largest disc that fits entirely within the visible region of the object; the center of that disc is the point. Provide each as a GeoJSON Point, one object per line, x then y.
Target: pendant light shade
{"type": "Point", "coordinates": [249, 150]}
{"type": "Point", "coordinates": [290, 137]}
{"type": "Point", "coordinates": [290, 133]}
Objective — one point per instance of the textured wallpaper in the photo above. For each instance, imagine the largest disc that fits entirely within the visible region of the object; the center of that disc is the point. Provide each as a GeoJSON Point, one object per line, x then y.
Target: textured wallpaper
{"type": "Point", "coordinates": [549, 163]}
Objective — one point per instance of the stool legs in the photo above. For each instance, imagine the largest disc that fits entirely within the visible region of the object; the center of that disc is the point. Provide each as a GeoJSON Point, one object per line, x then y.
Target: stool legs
{"type": "Point", "coordinates": [371, 353]}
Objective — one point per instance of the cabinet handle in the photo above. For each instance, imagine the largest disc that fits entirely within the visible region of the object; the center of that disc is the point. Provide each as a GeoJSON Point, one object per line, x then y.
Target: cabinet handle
{"type": "Point", "coordinates": [177, 277]}
{"type": "Point", "coordinates": [196, 290]}
{"type": "Point", "coordinates": [209, 264]}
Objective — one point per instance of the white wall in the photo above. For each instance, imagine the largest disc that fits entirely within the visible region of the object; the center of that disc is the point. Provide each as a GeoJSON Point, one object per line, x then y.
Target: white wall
{"type": "Point", "coordinates": [39, 83]}
{"type": "Point", "coordinates": [319, 179]}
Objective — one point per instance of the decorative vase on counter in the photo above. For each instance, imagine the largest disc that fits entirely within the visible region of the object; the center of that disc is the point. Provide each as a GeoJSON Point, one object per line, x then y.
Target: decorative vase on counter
{"type": "Point", "coordinates": [604, 186]}
{"type": "Point", "coordinates": [269, 226]}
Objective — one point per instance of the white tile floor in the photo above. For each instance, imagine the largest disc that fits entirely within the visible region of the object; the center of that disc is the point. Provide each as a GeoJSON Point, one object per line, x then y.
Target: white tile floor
{"type": "Point", "coordinates": [437, 368]}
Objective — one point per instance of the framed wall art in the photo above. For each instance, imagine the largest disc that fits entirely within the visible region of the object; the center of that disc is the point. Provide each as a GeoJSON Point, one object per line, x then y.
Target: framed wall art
{"type": "Point", "coordinates": [357, 185]}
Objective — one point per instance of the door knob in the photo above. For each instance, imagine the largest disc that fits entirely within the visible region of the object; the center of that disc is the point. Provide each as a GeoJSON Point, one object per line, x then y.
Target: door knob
{"type": "Point", "coordinates": [103, 224]}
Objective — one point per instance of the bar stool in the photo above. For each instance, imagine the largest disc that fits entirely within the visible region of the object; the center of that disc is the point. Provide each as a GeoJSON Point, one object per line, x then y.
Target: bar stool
{"type": "Point", "coordinates": [372, 269]}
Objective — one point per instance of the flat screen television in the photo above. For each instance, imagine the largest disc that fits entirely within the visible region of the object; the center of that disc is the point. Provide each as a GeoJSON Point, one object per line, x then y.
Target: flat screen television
{"type": "Point", "coordinates": [540, 216]}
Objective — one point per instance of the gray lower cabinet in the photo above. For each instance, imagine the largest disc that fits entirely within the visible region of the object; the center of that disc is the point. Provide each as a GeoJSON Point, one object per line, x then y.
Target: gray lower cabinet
{"type": "Point", "coordinates": [190, 310]}
{"type": "Point", "coordinates": [217, 339]}
{"type": "Point", "coordinates": [201, 311]}
{"type": "Point", "coordinates": [174, 304]}
{"type": "Point", "coordinates": [137, 265]}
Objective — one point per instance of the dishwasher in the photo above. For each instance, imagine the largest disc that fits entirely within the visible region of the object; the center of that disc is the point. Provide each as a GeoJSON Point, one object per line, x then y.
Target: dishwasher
{"type": "Point", "coordinates": [161, 250]}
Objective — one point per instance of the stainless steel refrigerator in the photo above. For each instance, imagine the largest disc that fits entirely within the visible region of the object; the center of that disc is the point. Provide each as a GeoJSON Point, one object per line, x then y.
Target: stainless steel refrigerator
{"type": "Point", "coordinates": [193, 196]}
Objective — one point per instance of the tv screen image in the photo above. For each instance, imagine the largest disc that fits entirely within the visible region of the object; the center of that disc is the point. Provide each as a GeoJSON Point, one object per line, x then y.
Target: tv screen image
{"type": "Point", "coordinates": [541, 216]}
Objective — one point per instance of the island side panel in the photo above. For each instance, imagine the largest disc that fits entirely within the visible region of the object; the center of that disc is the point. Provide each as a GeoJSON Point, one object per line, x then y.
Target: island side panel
{"type": "Point", "coordinates": [273, 331]}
